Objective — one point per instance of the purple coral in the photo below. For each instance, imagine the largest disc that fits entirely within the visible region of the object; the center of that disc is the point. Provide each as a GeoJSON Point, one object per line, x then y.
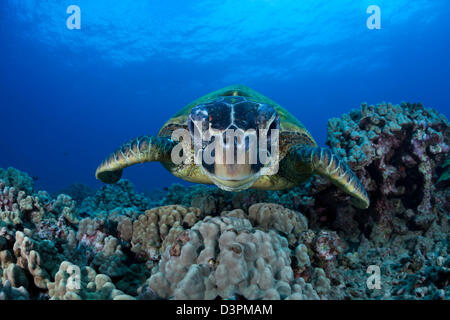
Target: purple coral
{"type": "Point", "coordinates": [328, 245]}
{"type": "Point", "coordinates": [394, 149]}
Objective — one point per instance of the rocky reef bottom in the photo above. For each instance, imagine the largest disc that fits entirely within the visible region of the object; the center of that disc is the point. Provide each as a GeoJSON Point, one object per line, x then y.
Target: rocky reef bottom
{"type": "Point", "coordinates": [204, 243]}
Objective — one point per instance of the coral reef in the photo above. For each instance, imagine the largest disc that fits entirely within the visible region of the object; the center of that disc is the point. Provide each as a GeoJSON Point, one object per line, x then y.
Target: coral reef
{"type": "Point", "coordinates": [8, 292]}
{"type": "Point", "coordinates": [158, 227]}
{"type": "Point", "coordinates": [110, 197]}
{"type": "Point", "coordinates": [274, 216]}
{"type": "Point", "coordinates": [395, 151]}
{"type": "Point", "coordinates": [17, 179]}
{"type": "Point", "coordinates": [78, 192]}
{"type": "Point", "coordinates": [224, 256]}
{"type": "Point", "coordinates": [201, 242]}
{"type": "Point", "coordinates": [444, 177]}
{"type": "Point", "coordinates": [75, 283]}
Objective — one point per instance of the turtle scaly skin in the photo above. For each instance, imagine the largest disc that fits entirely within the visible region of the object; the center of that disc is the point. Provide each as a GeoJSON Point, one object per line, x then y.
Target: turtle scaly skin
{"type": "Point", "coordinates": [324, 162]}
{"type": "Point", "coordinates": [138, 150]}
{"type": "Point", "coordinates": [243, 110]}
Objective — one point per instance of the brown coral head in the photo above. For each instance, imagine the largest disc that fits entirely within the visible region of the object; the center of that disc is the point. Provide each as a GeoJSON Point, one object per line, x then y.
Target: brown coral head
{"type": "Point", "coordinates": [328, 245]}
{"type": "Point", "coordinates": [183, 237]}
{"type": "Point", "coordinates": [175, 250]}
{"type": "Point", "coordinates": [236, 248]}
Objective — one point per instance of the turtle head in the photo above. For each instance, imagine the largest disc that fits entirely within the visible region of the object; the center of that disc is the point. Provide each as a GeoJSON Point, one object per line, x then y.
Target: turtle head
{"type": "Point", "coordinates": [234, 140]}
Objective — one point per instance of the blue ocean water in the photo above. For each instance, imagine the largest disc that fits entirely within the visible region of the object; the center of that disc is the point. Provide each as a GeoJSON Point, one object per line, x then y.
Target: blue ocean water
{"type": "Point", "coordinates": [70, 97]}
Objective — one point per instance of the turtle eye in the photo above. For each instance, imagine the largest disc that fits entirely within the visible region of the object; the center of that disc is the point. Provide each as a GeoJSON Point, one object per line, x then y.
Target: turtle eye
{"type": "Point", "coordinates": [198, 118]}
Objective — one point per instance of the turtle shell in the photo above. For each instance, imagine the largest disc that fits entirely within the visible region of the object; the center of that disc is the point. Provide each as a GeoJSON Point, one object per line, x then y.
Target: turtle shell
{"type": "Point", "coordinates": [291, 129]}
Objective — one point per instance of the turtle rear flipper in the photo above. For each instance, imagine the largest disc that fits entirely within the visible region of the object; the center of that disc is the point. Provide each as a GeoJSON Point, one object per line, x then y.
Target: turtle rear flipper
{"type": "Point", "coordinates": [324, 162]}
{"type": "Point", "coordinates": [138, 150]}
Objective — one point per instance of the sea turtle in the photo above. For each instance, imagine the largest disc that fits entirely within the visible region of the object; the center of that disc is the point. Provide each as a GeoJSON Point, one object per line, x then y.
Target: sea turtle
{"type": "Point", "coordinates": [241, 109]}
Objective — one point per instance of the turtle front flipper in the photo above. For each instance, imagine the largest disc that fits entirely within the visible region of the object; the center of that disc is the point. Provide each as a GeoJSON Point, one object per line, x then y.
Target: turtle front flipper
{"type": "Point", "coordinates": [138, 150]}
{"type": "Point", "coordinates": [323, 161]}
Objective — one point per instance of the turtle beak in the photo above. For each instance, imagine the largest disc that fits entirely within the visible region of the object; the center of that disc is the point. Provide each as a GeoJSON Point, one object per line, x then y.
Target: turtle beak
{"type": "Point", "coordinates": [234, 177]}
{"type": "Point", "coordinates": [233, 171]}
{"type": "Point", "coordinates": [233, 162]}
{"type": "Point", "coordinates": [234, 159]}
